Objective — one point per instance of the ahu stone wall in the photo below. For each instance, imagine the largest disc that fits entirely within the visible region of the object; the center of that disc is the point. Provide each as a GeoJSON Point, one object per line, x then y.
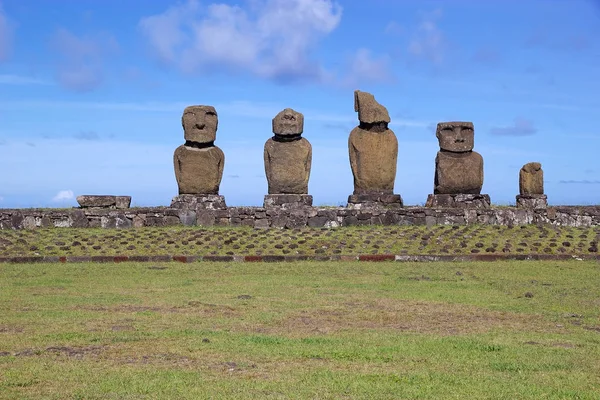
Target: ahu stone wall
{"type": "Point", "coordinates": [280, 217]}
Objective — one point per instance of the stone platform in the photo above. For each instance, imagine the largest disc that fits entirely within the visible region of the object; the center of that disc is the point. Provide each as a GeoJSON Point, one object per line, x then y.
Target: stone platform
{"type": "Point", "coordinates": [532, 201]}
{"type": "Point", "coordinates": [288, 201]}
{"type": "Point", "coordinates": [374, 200]}
{"type": "Point", "coordinates": [472, 201]}
{"type": "Point", "coordinates": [314, 217]}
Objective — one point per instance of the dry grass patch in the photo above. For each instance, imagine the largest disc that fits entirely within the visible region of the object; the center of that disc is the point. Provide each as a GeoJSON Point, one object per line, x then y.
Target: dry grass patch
{"type": "Point", "coordinates": [435, 318]}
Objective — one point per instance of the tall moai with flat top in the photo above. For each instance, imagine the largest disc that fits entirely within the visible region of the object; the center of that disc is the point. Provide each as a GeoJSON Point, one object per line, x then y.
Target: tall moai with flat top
{"type": "Point", "coordinates": [198, 162]}
{"type": "Point", "coordinates": [288, 158]}
{"type": "Point", "coordinates": [458, 169]}
{"type": "Point", "coordinates": [531, 187]}
{"type": "Point", "coordinates": [373, 151]}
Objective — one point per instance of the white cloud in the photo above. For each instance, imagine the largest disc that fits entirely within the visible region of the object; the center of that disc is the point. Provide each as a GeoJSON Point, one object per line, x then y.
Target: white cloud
{"type": "Point", "coordinates": [63, 195]}
{"type": "Point", "coordinates": [271, 39]}
{"type": "Point", "coordinates": [429, 41]}
{"type": "Point", "coordinates": [81, 66]}
{"type": "Point", "coordinates": [5, 35]}
{"type": "Point", "coordinates": [364, 68]}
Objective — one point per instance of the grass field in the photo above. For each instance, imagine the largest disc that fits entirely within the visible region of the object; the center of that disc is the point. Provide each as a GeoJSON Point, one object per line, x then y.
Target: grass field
{"type": "Point", "coordinates": [502, 330]}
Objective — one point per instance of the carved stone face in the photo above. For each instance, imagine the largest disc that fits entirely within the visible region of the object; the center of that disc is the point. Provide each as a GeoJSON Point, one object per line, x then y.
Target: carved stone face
{"type": "Point", "coordinates": [288, 122]}
{"type": "Point", "coordinates": [200, 123]}
{"type": "Point", "coordinates": [457, 137]}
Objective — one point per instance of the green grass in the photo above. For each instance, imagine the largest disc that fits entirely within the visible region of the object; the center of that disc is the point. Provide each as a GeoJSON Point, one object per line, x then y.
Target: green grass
{"type": "Point", "coordinates": [404, 240]}
{"type": "Point", "coordinates": [502, 330]}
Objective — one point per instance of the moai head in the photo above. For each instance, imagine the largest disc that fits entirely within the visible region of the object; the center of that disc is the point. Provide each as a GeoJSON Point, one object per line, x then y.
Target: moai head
{"type": "Point", "coordinates": [532, 167]}
{"type": "Point", "coordinates": [200, 124]}
{"type": "Point", "coordinates": [369, 110]}
{"type": "Point", "coordinates": [457, 137]}
{"type": "Point", "coordinates": [288, 123]}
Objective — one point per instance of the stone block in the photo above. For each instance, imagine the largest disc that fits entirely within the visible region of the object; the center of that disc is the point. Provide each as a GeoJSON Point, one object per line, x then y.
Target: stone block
{"type": "Point", "coordinates": [29, 222]}
{"type": "Point", "coordinates": [80, 220]}
{"type": "Point", "coordinates": [205, 217]}
{"type": "Point", "coordinates": [317, 222]}
{"type": "Point", "coordinates": [261, 223]}
{"type": "Point", "coordinates": [296, 220]}
{"type": "Point", "coordinates": [187, 217]}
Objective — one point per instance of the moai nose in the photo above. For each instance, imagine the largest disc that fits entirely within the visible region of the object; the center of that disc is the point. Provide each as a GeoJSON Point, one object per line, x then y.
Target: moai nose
{"type": "Point", "coordinates": [200, 121]}
{"type": "Point", "coordinates": [459, 138]}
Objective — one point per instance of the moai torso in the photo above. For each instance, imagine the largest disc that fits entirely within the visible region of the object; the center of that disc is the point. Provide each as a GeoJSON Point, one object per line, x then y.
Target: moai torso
{"type": "Point", "coordinates": [372, 147]}
{"type": "Point", "coordinates": [198, 171]}
{"type": "Point", "coordinates": [287, 155]}
{"type": "Point", "coordinates": [199, 163]}
{"type": "Point", "coordinates": [458, 173]}
{"type": "Point", "coordinates": [373, 159]}
{"type": "Point", "coordinates": [531, 179]}
{"type": "Point", "coordinates": [287, 166]}
{"type": "Point", "coordinates": [458, 169]}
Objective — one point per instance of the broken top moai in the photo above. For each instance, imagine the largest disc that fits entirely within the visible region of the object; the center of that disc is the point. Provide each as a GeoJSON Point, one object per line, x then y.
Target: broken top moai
{"type": "Point", "coordinates": [288, 155]}
{"type": "Point", "coordinates": [373, 150]}
{"type": "Point", "coordinates": [458, 169]}
{"type": "Point", "coordinates": [531, 187]}
{"type": "Point", "coordinates": [531, 179]}
{"type": "Point", "coordinates": [199, 163]}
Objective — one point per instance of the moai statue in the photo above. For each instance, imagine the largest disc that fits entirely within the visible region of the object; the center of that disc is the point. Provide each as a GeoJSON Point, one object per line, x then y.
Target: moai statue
{"type": "Point", "coordinates": [373, 150]}
{"type": "Point", "coordinates": [288, 158]}
{"type": "Point", "coordinates": [531, 187]}
{"type": "Point", "coordinates": [458, 169]}
{"type": "Point", "coordinates": [199, 163]}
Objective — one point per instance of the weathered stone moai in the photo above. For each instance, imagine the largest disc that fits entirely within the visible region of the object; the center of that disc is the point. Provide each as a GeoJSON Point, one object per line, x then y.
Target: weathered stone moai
{"type": "Point", "coordinates": [288, 158]}
{"type": "Point", "coordinates": [373, 150]}
{"type": "Point", "coordinates": [531, 187]}
{"type": "Point", "coordinates": [458, 169]}
{"type": "Point", "coordinates": [199, 163]}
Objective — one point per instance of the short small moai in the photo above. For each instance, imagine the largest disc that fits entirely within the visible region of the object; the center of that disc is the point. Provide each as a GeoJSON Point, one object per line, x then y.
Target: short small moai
{"type": "Point", "coordinates": [458, 169]}
{"type": "Point", "coordinates": [199, 163]}
{"type": "Point", "coordinates": [531, 187]}
{"type": "Point", "coordinates": [373, 150]}
{"type": "Point", "coordinates": [288, 158]}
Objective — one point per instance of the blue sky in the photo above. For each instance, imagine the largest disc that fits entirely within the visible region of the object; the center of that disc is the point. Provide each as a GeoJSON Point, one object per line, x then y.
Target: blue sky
{"type": "Point", "coordinates": [92, 92]}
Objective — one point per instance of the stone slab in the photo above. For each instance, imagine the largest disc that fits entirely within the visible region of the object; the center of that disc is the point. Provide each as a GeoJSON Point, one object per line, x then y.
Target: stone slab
{"type": "Point", "coordinates": [288, 200]}
{"type": "Point", "coordinates": [103, 201]}
{"type": "Point", "coordinates": [194, 202]}
{"type": "Point", "coordinates": [470, 201]}
{"type": "Point", "coordinates": [374, 200]}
